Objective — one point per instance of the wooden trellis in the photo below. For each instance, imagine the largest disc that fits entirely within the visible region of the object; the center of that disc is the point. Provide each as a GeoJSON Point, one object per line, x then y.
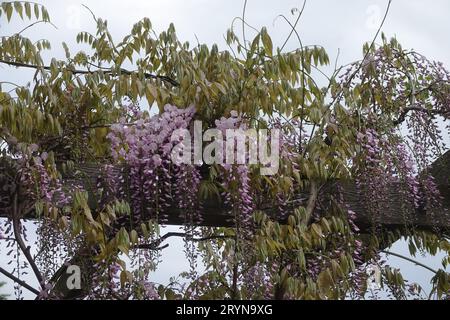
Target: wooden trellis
{"type": "Point", "coordinates": [216, 214]}
{"type": "Point", "coordinates": [393, 216]}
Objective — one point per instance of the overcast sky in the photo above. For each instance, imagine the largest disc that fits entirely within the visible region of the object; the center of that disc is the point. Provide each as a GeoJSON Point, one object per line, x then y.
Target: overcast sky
{"type": "Point", "coordinates": [344, 25]}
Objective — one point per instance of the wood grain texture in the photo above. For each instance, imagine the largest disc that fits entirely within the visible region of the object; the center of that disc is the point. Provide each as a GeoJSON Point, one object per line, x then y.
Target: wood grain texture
{"type": "Point", "coordinates": [393, 212]}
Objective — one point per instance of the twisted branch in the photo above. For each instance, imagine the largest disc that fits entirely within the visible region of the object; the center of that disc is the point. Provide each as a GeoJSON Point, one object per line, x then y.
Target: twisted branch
{"type": "Point", "coordinates": [18, 281]}
{"type": "Point", "coordinates": [108, 71]}
{"type": "Point", "coordinates": [155, 245]}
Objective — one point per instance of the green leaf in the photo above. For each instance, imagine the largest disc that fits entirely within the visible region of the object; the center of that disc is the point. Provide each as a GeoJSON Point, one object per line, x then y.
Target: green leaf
{"type": "Point", "coordinates": [123, 241]}
{"type": "Point", "coordinates": [66, 50]}
{"type": "Point", "coordinates": [19, 9]}
{"type": "Point", "coordinates": [9, 11]}
{"type": "Point", "coordinates": [325, 281]}
{"type": "Point", "coordinates": [123, 249]}
{"type": "Point", "coordinates": [28, 10]}
{"type": "Point", "coordinates": [255, 43]}
{"type": "Point", "coordinates": [45, 15]}
{"type": "Point", "coordinates": [317, 229]}
{"type": "Point", "coordinates": [36, 11]}
{"type": "Point", "coordinates": [134, 237]}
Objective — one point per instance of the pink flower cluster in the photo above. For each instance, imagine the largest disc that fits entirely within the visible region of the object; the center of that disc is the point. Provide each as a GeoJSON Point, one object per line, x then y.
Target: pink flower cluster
{"type": "Point", "coordinates": [38, 182]}
{"type": "Point", "coordinates": [388, 166]}
{"type": "Point", "coordinates": [239, 199]}
{"type": "Point", "coordinates": [145, 148]}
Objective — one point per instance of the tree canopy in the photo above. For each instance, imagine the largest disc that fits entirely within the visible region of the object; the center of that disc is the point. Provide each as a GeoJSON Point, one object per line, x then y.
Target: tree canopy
{"type": "Point", "coordinates": [86, 152]}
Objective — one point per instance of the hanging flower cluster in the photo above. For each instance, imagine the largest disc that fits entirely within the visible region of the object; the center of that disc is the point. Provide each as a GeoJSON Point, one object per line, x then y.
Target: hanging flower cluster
{"type": "Point", "coordinates": [145, 148]}
{"type": "Point", "coordinates": [399, 121]}
{"type": "Point", "coordinates": [238, 194]}
{"type": "Point", "coordinates": [292, 143]}
{"type": "Point", "coordinates": [385, 164]}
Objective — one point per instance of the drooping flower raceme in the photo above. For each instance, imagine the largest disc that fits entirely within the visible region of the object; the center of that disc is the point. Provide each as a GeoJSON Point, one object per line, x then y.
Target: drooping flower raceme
{"type": "Point", "coordinates": [145, 150]}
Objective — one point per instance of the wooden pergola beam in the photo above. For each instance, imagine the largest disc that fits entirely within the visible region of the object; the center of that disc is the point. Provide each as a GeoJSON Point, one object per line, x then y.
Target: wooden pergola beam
{"type": "Point", "coordinates": [392, 216]}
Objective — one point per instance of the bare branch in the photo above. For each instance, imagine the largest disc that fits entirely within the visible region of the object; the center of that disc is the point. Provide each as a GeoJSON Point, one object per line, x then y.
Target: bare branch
{"type": "Point", "coordinates": [243, 23]}
{"type": "Point", "coordinates": [75, 71]}
{"type": "Point", "coordinates": [18, 281]}
{"type": "Point", "coordinates": [407, 110]}
{"type": "Point", "coordinates": [35, 23]}
{"type": "Point", "coordinates": [350, 79]}
{"type": "Point", "coordinates": [410, 260]}
{"type": "Point", "coordinates": [293, 27]}
{"type": "Point", "coordinates": [21, 243]}
{"type": "Point", "coordinates": [156, 244]}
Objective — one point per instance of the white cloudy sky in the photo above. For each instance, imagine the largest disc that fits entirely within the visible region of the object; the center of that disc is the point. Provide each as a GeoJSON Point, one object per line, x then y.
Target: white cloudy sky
{"type": "Point", "coordinates": [344, 25]}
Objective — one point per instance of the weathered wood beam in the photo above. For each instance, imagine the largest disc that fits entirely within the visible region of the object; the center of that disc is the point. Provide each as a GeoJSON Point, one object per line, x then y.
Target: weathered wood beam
{"type": "Point", "coordinates": [394, 215]}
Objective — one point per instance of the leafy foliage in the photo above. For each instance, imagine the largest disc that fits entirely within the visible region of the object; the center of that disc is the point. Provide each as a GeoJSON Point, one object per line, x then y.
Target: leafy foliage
{"type": "Point", "coordinates": [290, 237]}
